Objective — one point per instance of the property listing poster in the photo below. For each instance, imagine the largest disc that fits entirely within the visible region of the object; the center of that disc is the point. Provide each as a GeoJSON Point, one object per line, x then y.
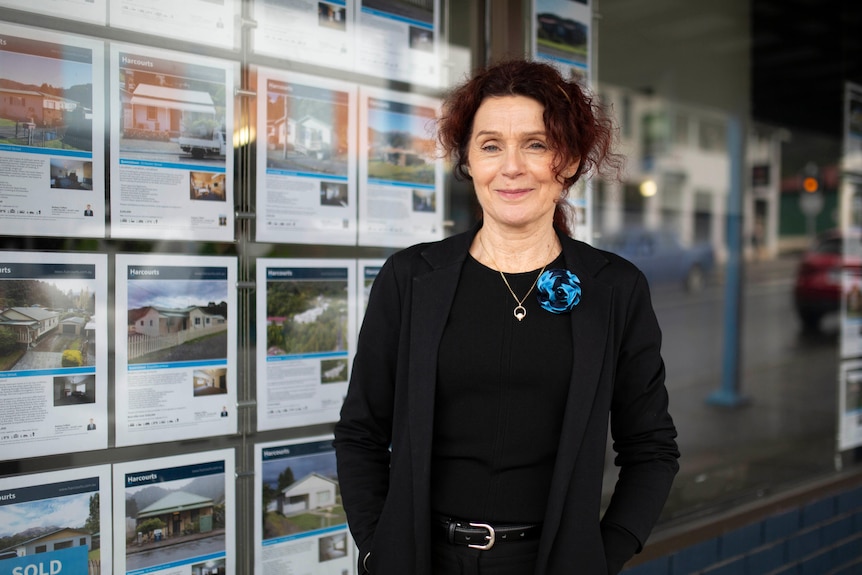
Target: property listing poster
{"type": "Point", "coordinates": [561, 36]}
{"type": "Point", "coordinates": [850, 213]}
{"type": "Point", "coordinates": [56, 523]}
{"type": "Point", "coordinates": [581, 222]}
{"type": "Point", "coordinates": [300, 524]}
{"type": "Point", "coordinates": [399, 40]}
{"type": "Point", "coordinates": [176, 515]}
{"type": "Point", "coordinates": [175, 347]}
{"type": "Point", "coordinates": [93, 11]}
{"type": "Point", "coordinates": [306, 182]}
{"type": "Point", "coordinates": [851, 309]}
{"type": "Point", "coordinates": [400, 171]}
{"type": "Point", "coordinates": [850, 405]}
{"type": "Point", "coordinates": [367, 270]}
{"type": "Point", "coordinates": [319, 33]}
{"type": "Point", "coordinates": [852, 161]}
{"type": "Point", "coordinates": [172, 118]}
{"type": "Point", "coordinates": [212, 22]}
{"type": "Point", "coordinates": [52, 165]}
{"type": "Point", "coordinates": [53, 353]}
{"type": "Point", "coordinates": [306, 325]}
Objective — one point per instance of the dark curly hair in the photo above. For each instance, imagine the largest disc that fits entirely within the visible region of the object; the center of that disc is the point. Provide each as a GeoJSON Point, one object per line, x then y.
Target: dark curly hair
{"type": "Point", "coordinates": [577, 127]}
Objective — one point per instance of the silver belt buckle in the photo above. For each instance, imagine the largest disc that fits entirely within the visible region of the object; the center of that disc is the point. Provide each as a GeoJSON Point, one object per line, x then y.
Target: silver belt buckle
{"type": "Point", "coordinates": [491, 538]}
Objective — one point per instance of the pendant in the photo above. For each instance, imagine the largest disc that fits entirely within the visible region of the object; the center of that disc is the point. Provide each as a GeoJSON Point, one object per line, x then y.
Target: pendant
{"type": "Point", "coordinates": [520, 312]}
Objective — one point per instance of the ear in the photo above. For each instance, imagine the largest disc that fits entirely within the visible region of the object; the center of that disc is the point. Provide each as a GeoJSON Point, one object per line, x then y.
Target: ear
{"type": "Point", "coordinates": [570, 170]}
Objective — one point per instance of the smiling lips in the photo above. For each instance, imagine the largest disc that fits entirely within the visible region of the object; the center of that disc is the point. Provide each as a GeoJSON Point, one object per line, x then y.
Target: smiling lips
{"type": "Point", "coordinates": [517, 192]}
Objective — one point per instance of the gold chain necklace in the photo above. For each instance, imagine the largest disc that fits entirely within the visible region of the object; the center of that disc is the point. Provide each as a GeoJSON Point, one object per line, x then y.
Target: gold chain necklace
{"type": "Point", "coordinates": [520, 312]}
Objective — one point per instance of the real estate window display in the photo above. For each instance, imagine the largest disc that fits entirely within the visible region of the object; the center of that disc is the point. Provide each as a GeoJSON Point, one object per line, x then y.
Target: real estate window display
{"type": "Point", "coordinates": [692, 152]}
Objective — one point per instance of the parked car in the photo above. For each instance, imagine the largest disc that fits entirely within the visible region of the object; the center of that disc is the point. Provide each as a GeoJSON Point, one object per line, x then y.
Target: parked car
{"type": "Point", "coordinates": [817, 288]}
{"type": "Point", "coordinates": [662, 257]}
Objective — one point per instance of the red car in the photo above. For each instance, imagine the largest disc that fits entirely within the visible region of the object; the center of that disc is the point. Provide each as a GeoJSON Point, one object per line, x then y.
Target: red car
{"type": "Point", "coordinates": [817, 291]}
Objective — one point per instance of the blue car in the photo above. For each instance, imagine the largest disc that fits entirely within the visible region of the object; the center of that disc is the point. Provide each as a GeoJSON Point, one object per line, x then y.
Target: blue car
{"type": "Point", "coordinates": [662, 257]}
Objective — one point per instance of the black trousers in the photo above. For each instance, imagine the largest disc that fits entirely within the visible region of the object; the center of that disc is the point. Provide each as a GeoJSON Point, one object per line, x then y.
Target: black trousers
{"type": "Point", "coordinates": [506, 558]}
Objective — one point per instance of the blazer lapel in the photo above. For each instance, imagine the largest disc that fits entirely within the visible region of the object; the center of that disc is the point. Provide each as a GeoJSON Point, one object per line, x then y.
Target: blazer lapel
{"type": "Point", "coordinates": [591, 319]}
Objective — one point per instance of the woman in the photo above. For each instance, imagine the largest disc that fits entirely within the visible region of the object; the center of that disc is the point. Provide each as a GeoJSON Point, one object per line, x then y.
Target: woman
{"type": "Point", "coordinates": [473, 435]}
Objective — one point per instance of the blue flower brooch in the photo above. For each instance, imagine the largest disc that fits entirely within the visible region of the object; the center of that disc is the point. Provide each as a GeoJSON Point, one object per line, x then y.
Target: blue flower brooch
{"type": "Point", "coordinates": [559, 291]}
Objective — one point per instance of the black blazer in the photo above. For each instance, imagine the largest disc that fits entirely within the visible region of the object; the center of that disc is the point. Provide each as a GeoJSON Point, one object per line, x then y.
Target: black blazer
{"type": "Point", "coordinates": [383, 439]}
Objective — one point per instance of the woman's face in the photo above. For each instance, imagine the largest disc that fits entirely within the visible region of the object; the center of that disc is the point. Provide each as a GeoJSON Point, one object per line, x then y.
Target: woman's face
{"type": "Point", "coordinates": [510, 160]}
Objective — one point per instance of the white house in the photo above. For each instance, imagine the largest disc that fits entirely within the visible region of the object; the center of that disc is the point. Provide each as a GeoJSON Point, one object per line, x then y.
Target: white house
{"type": "Point", "coordinates": [65, 538]}
{"type": "Point", "coordinates": [313, 491]}
{"type": "Point", "coordinates": [307, 135]}
{"type": "Point", "coordinates": [154, 108]}
{"type": "Point", "coordinates": [29, 323]}
{"type": "Point", "coordinates": [157, 321]}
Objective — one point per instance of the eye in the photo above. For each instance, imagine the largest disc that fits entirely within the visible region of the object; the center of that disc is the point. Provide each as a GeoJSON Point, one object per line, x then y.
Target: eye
{"type": "Point", "coordinates": [537, 145]}
{"type": "Point", "coordinates": [490, 148]}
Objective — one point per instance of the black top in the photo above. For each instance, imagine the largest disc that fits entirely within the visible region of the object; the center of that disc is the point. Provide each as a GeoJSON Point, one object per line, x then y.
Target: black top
{"type": "Point", "coordinates": [502, 386]}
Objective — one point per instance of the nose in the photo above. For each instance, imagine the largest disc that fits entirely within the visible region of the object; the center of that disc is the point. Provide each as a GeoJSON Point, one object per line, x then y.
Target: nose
{"type": "Point", "coordinates": [513, 163]}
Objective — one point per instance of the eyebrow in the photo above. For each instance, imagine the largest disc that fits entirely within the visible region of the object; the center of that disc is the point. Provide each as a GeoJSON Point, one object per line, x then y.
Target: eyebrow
{"type": "Point", "coordinates": [493, 133]}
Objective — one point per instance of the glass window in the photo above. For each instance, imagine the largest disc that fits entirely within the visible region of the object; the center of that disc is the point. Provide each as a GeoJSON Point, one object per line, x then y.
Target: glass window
{"type": "Point", "coordinates": [743, 160]}
{"type": "Point", "coordinates": [626, 116]}
{"type": "Point", "coordinates": [731, 148]}
{"type": "Point", "coordinates": [135, 135]}
{"type": "Point", "coordinates": [681, 130]}
{"type": "Point", "coordinates": [711, 136]}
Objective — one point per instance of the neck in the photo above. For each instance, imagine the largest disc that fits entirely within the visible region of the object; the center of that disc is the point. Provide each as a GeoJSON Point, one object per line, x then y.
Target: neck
{"type": "Point", "coordinates": [515, 251]}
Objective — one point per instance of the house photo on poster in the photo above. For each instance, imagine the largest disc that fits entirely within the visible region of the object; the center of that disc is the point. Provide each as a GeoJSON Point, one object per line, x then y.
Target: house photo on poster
{"type": "Point", "coordinates": [54, 522]}
{"type": "Point", "coordinates": [306, 183]}
{"type": "Point", "coordinates": [53, 353]}
{"type": "Point", "coordinates": [176, 515]}
{"type": "Point", "coordinates": [562, 35]}
{"type": "Point", "coordinates": [172, 117]}
{"type": "Point", "coordinates": [400, 171]}
{"type": "Point", "coordinates": [176, 355]}
{"type": "Point", "coordinates": [300, 524]}
{"type": "Point", "coordinates": [52, 180]}
{"type": "Point", "coordinates": [306, 323]}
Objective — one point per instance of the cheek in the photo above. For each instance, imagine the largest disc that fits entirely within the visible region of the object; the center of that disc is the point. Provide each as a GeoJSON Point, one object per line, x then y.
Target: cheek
{"type": "Point", "coordinates": [483, 177]}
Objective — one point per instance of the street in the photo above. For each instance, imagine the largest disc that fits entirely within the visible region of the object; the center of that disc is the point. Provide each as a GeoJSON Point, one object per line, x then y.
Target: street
{"type": "Point", "coordinates": [784, 428]}
{"type": "Point", "coordinates": [168, 553]}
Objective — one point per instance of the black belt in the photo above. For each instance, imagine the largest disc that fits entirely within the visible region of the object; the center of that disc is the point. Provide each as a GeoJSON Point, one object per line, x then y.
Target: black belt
{"type": "Point", "coordinates": [484, 536]}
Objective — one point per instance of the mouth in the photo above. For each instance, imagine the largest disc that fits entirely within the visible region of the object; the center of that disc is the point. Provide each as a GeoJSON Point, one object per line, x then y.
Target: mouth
{"type": "Point", "coordinates": [513, 193]}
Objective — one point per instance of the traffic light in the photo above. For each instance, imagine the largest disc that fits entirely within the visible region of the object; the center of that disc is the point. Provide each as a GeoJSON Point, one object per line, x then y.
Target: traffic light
{"type": "Point", "coordinates": [811, 179]}
{"type": "Point", "coordinates": [811, 197]}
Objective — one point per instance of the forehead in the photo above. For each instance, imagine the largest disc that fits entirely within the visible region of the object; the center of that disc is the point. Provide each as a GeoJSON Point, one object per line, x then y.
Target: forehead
{"type": "Point", "coordinates": [509, 114]}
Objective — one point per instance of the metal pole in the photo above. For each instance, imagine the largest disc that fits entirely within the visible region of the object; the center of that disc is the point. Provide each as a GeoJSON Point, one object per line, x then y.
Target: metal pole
{"type": "Point", "coordinates": [728, 394]}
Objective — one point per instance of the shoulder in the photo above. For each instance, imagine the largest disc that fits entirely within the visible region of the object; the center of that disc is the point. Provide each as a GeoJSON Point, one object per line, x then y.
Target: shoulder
{"type": "Point", "coordinates": [392, 290]}
{"type": "Point", "coordinates": [599, 264]}
{"type": "Point", "coordinates": [428, 256]}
